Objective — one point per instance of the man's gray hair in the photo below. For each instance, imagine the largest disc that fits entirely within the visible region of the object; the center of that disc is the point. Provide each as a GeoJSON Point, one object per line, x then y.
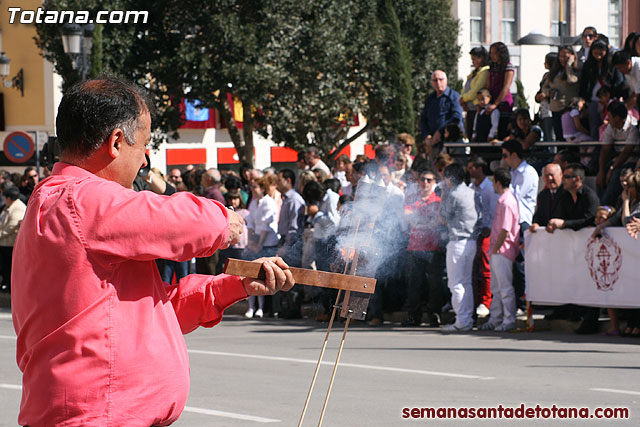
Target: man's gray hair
{"type": "Point", "coordinates": [215, 175]}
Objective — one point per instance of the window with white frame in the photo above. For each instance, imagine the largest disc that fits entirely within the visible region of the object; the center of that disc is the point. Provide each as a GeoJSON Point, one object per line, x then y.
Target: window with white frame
{"type": "Point", "coordinates": [615, 15]}
{"type": "Point", "coordinates": [560, 18]}
{"type": "Point", "coordinates": [509, 24]}
{"type": "Point", "coordinates": [477, 21]}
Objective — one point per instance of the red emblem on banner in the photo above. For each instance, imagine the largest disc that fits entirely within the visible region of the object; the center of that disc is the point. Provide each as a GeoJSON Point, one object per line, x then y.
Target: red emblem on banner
{"type": "Point", "coordinates": [604, 259]}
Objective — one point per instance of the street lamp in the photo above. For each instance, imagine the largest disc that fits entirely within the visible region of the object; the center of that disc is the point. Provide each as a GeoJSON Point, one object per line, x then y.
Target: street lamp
{"type": "Point", "coordinates": [5, 69]}
{"type": "Point", "coordinates": [542, 40]}
{"type": "Point", "coordinates": [77, 42]}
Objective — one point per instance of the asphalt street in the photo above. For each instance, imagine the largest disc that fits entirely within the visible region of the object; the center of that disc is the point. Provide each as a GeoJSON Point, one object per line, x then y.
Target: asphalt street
{"type": "Point", "coordinates": [254, 372]}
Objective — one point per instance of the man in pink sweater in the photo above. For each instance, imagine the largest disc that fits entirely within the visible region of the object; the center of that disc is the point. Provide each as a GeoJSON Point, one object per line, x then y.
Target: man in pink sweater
{"type": "Point", "coordinates": [504, 248]}
{"type": "Point", "coordinates": [99, 334]}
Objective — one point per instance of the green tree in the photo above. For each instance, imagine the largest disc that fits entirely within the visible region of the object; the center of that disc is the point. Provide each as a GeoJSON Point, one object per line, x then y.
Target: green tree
{"type": "Point", "coordinates": [521, 97]}
{"type": "Point", "coordinates": [303, 69]}
{"type": "Point", "coordinates": [96, 52]}
{"type": "Point", "coordinates": [431, 34]}
{"type": "Point", "coordinates": [398, 114]}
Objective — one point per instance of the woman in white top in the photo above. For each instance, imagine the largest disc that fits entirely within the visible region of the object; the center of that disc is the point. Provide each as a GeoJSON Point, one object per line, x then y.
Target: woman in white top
{"type": "Point", "coordinates": [262, 224]}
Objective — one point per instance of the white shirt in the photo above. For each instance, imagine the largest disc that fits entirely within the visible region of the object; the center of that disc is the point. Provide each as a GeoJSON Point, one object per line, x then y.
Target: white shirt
{"type": "Point", "coordinates": [633, 78]}
{"type": "Point", "coordinates": [322, 166]}
{"type": "Point", "coordinates": [524, 185]}
{"type": "Point", "coordinates": [325, 222]}
{"type": "Point", "coordinates": [263, 216]}
{"type": "Point", "coordinates": [628, 133]}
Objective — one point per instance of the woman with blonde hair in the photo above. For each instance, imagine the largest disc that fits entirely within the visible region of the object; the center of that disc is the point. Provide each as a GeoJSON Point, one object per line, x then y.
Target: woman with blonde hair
{"type": "Point", "coordinates": [270, 181]}
{"type": "Point", "coordinates": [305, 177]}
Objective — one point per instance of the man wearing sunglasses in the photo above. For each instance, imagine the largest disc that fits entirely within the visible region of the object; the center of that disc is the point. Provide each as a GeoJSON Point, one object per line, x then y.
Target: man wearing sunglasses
{"type": "Point", "coordinates": [426, 257]}
{"type": "Point", "coordinates": [577, 206]}
{"type": "Point", "coordinates": [576, 209]}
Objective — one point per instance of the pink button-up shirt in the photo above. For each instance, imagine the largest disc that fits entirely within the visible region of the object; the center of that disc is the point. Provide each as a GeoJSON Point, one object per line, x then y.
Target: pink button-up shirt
{"type": "Point", "coordinates": [507, 218]}
{"type": "Point", "coordinates": [99, 334]}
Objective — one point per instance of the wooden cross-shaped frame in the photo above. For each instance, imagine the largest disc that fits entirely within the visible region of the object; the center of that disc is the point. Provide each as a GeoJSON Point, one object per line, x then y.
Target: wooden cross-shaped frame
{"type": "Point", "coordinates": [351, 308]}
{"type": "Point", "coordinates": [358, 289]}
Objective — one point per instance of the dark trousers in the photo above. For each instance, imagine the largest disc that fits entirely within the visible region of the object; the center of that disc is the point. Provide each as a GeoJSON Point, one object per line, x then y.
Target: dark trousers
{"type": "Point", "coordinates": [324, 257]}
{"type": "Point", "coordinates": [518, 271]}
{"type": "Point", "coordinates": [468, 123]}
{"type": "Point", "coordinates": [556, 116]}
{"type": "Point", "coordinates": [547, 129]}
{"type": "Point", "coordinates": [6, 252]}
{"type": "Point", "coordinates": [180, 268]}
{"type": "Point", "coordinates": [225, 254]}
{"type": "Point", "coordinates": [207, 265]}
{"type": "Point", "coordinates": [425, 271]}
{"type": "Point", "coordinates": [503, 123]}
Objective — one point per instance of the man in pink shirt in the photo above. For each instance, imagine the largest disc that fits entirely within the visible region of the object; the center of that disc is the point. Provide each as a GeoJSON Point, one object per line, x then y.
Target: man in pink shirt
{"type": "Point", "coordinates": [99, 334]}
{"type": "Point", "coordinates": [505, 235]}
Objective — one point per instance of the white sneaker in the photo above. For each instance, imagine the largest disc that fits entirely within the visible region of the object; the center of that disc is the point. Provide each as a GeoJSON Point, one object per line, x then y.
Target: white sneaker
{"type": "Point", "coordinates": [259, 313]}
{"type": "Point", "coordinates": [249, 313]}
{"type": "Point", "coordinates": [455, 328]}
{"type": "Point", "coordinates": [488, 326]}
{"type": "Point", "coordinates": [505, 327]}
{"type": "Point", "coordinates": [482, 311]}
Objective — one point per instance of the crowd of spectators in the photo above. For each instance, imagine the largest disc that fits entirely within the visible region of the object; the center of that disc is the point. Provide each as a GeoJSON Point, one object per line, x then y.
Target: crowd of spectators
{"type": "Point", "coordinates": [15, 190]}
{"type": "Point", "coordinates": [456, 238]}
{"type": "Point", "coordinates": [459, 211]}
{"type": "Point", "coordinates": [580, 95]}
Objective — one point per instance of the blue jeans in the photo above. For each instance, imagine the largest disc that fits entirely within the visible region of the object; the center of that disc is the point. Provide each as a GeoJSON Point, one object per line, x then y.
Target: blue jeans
{"type": "Point", "coordinates": [180, 268]}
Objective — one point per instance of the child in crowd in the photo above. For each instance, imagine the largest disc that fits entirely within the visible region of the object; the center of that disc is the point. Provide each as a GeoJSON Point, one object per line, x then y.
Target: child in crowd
{"type": "Point", "coordinates": [572, 126]}
{"type": "Point", "coordinates": [630, 101]}
{"type": "Point", "coordinates": [604, 99]}
{"type": "Point", "coordinates": [485, 124]}
{"type": "Point", "coordinates": [233, 199]}
{"type": "Point", "coordinates": [525, 132]}
{"type": "Point", "coordinates": [453, 133]}
{"type": "Point", "coordinates": [505, 237]}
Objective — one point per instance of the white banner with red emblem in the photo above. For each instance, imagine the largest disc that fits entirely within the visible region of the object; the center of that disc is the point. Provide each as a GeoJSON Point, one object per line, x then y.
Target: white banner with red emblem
{"type": "Point", "coordinates": [571, 267]}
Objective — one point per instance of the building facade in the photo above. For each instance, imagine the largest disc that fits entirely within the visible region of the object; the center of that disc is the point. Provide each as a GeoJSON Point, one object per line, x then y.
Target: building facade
{"type": "Point", "coordinates": [483, 22]}
{"type": "Point", "coordinates": [33, 110]}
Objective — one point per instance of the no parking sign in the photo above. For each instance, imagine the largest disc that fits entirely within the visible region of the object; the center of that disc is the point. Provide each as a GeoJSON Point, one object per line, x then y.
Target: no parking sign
{"type": "Point", "coordinates": [18, 147]}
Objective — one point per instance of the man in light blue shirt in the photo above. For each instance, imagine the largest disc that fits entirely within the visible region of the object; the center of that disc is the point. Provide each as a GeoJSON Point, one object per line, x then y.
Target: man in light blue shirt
{"type": "Point", "coordinates": [524, 185]}
{"type": "Point", "coordinates": [524, 180]}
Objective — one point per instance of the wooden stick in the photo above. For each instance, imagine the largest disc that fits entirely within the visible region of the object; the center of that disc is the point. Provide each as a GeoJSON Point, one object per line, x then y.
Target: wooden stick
{"type": "Point", "coordinates": [333, 374]}
{"type": "Point", "coordinates": [303, 276]}
{"type": "Point", "coordinates": [324, 347]}
{"type": "Point", "coordinates": [324, 344]}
